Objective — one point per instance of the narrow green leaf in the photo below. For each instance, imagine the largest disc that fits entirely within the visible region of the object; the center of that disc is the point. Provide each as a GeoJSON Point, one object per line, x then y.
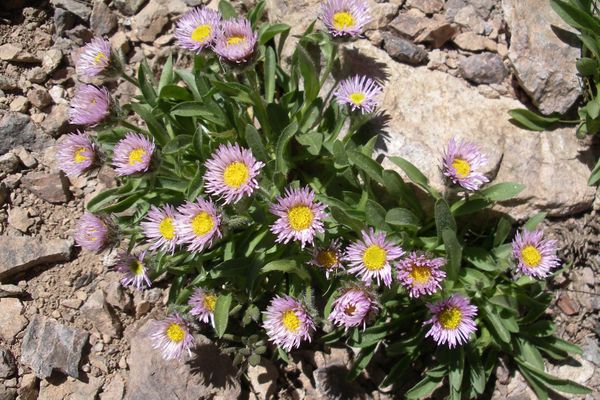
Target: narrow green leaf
{"type": "Point", "coordinates": [361, 362]}
{"type": "Point", "coordinates": [453, 253]}
{"type": "Point", "coordinates": [502, 191]}
{"type": "Point", "coordinates": [403, 218]}
{"type": "Point", "coordinates": [456, 368]}
{"type": "Point", "coordinates": [166, 77]}
{"type": "Point", "coordinates": [285, 137]}
{"type": "Point", "coordinates": [424, 387]}
{"type": "Point", "coordinates": [587, 66]}
{"type": "Point", "coordinates": [561, 385]}
{"type": "Point", "coordinates": [269, 74]}
{"type": "Point", "coordinates": [595, 176]}
{"type": "Point", "coordinates": [221, 314]}
{"type": "Point", "coordinates": [309, 74]}
{"type": "Point", "coordinates": [287, 266]}
{"type": "Point", "coordinates": [226, 9]}
{"type": "Point", "coordinates": [269, 31]}
{"type": "Point", "coordinates": [411, 171]}
{"type": "Point", "coordinates": [532, 121]}
{"type": "Point", "coordinates": [366, 164]}
{"type": "Point", "coordinates": [254, 141]}
{"type": "Point", "coordinates": [146, 85]}
{"type": "Point", "coordinates": [534, 221]}
{"type": "Point", "coordinates": [443, 217]}
{"type": "Point", "coordinates": [575, 16]}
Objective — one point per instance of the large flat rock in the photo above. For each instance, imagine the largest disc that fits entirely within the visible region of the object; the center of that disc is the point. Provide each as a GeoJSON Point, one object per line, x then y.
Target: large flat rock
{"type": "Point", "coordinates": [19, 253]}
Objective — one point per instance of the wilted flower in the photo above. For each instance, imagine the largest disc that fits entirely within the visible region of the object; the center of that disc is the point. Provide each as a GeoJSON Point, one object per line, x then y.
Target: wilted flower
{"type": "Point", "coordinates": [359, 92]}
{"type": "Point", "coordinates": [159, 228]}
{"type": "Point", "coordinates": [132, 154]}
{"type": "Point", "coordinates": [203, 305]}
{"type": "Point", "coordinates": [300, 217]}
{"type": "Point", "coordinates": [231, 173]}
{"type": "Point", "coordinates": [370, 257]}
{"type": "Point", "coordinates": [462, 163]}
{"type": "Point", "coordinates": [90, 105]}
{"type": "Point", "coordinates": [76, 153]}
{"type": "Point", "coordinates": [345, 17]}
{"type": "Point", "coordinates": [287, 322]}
{"type": "Point", "coordinates": [235, 40]}
{"type": "Point", "coordinates": [421, 275]}
{"type": "Point", "coordinates": [329, 258]}
{"type": "Point", "coordinates": [93, 232]}
{"type": "Point", "coordinates": [352, 308]}
{"type": "Point", "coordinates": [197, 29]}
{"type": "Point", "coordinates": [452, 322]}
{"type": "Point", "coordinates": [197, 224]}
{"type": "Point", "coordinates": [94, 58]}
{"type": "Point", "coordinates": [134, 269]}
{"type": "Point", "coordinates": [172, 337]}
{"type": "Point", "coordinates": [535, 256]}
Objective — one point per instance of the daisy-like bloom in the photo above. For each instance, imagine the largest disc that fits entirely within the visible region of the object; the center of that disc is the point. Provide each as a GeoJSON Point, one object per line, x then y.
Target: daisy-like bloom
{"type": "Point", "coordinates": [462, 163]}
{"type": "Point", "coordinates": [197, 29]}
{"type": "Point", "coordinates": [359, 92]}
{"type": "Point", "coordinates": [235, 41]}
{"type": "Point", "coordinates": [329, 258]}
{"type": "Point", "coordinates": [370, 257]}
{"type": "Point", "coordinates": [172, 337]}
{"type": "Point", "coordinates": [94, 58]}
{"type": "Point", "coordinates": [132, 154]}
{"type": "Point", "coordinates": [287, 322]}
{"type": "Point", "coordinates": [90, 105]}
{"type": "Point", "coordinates": [203, 305]}
{"type": "Point", "coordinates": [134, 270]}
{"type": "Point", "coordinates": [159, 228]}
{"type": "Point", "coordinates": [421, 275]}
{"type": "Point", "coordinates": [76, 153]}
{"type": "Point", "coordinates": [535, 256]}
{"type": "Point", "coordinates": [300, 217]}
{"type": "Point", "coordinates": [93, 232]}
{"type": "Point", "coordinates": [231, 173]}
{"type": "Point", "coordinates": [353, 308]}
{"type": "Point", "coordinates": [197, 224]}
{"type": "Point", "coordinates": [345, 17]}
{"type": "Point", "coordinates": [452, 322]}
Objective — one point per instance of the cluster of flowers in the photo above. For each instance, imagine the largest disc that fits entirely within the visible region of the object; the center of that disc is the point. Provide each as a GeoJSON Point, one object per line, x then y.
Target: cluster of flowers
{"type": "Point", "coordinates": [232, 174]}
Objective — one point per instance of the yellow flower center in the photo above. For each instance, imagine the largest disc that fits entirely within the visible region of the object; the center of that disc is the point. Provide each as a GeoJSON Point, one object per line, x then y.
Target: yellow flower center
{"type": "Point", "coordinates": [343, 19]}
{"type": "Point", "coordinates": [461, 167]}
{"type": "Point", "coordinates": [236, 174]}
{"type": "Point", "coordinates": [327, 258]}
{"type": "Point", "coordinates": [135, 156]}
{"type": "Point", "coordinates": [166, 228]}
{"type": "Point", "coordinates": [350, 309]}
{"type": "Point", "coordinates": [78, 157]}
{"type": "Point", "coordinates": [99, 57]}
{"type": "Point", "coordinates": [450, 318]}
{"type": "Point", "coordinates": [202, 223]}
{"type": "Point", "coordinates": [201, 33]}
{"type": "Point", "coordinates": [209, 302]}
{"type": "Point", "coordinates": [420, 274]}
{"type": "Point", "coordinates": [357, 98]}
{"type": "Point", "coordinates": [300, 217]}
{"type": "Point", "coordinates": [531, 256]}
{"type": "Point", "coordinates": [136, 267]}
{"type": "Point", "coordinates": [235, 39]}
{"type": "Point", "coordinates": [175, 333]}
{"type": "Point", "coordinates": [290, 320]}
{"type": "Point", "coordinates": [374, 257]}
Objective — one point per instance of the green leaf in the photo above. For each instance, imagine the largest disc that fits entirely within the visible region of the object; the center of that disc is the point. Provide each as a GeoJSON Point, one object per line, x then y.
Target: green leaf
{"type": "Point", "coordinates": [495, 324]}
{"type": "Point", "coordinates": [226, 9]}
{"type": "Point", "coordinates": [453, 253]}
{"type": "Point", "coordinates": [256, 13]}
{"type": "Point", "coordinates": [177, 144]}
{"type": "Point", "coordinates": [166, 77]}
{"type": "Point", "coordinates": [221, 313]}
{"type": "Point", "coordinates": [197, 109]}
{"type": "Point", "coordinates": [424, 387]}
{"type": "Point", "coordinates": [269, 31]}
{"type": "Point", "coordinates": [456, 367]}
{"type": "Point", "coordinates": [269, 74]}
{"type": "Point", "coordinates": [502, 191]}
{"type": "Point", "coordinates": [443, 217]}
{"type": "Point", "coordinates": [309, 74]}
{"type": "Point", "coordinates": [534, 221]}
{"type": "Point", "coordinates": [175, 92]}
{"type": "Point", "coordinates": [561, 385]}
{"type": "Point", "coordinates": [575, 16]}
{"type": "Point", "coordinates": [313, 142]}
{"type": "Point", "coordinates": [361, 362]}
{"type": "Point", "coordinates": [403, 218]}
{"type": "Point", "coordinates": [595, 176]}
{"type": "Point", "coordinates": [366, 164]}
{"type": "Point", "coordinates": [287, 266]}
{"type": "Point", "coordinates": [375, 215]}
{"type": "Point", "coordinates": [476, 371]}
{"type": "Point", "coordinates": [532, 121]}
{"type": "Point", "coordinates": [145, 85]}
{"type": "Point", "coordinates": [481, 258]}
{"type": "Point", "coordinates": [411, 171]}
{"type": "Point", "coordinates": [344, 218]}
{"type": "Point", "coordinates": [587, 66]}
{"type": "Point", "coordinates": [285, 137]}
{"type": "Point", "coordinates": [254, 141]}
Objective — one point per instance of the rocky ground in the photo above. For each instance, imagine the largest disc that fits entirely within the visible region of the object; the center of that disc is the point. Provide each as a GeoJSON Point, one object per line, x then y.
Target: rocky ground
{"type": "Point", "coordinates": [68, 330]}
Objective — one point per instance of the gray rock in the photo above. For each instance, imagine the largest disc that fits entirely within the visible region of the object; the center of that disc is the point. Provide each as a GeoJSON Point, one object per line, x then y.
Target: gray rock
{"type": "Point", "coordinates": [7, 83]}
{"type": "Point", "coordinates": [7, 364]}
{"type": "Point", "coordinates": [16, 129]}
{"type": "Point", "coordinates": [331, 382]}
{"type": "Point", "coordinates": [39, 97]}
{"type": "Point", "coordinates": [404, 50]}
{"type": "Point", "coordinates": [114, 390]}
{"type": "Point", "coordinates": [52, 187]}
{"type": "Point", "coordinates": [208, 374]}
{"type": "Point", "coordinates": [102, 21]}
{"type": "Point", "coordinates": [37, 75]}
{"type": "Point", "coordinates": [117, 297]}
{"type": "Point", "coordinates": [543, 63]}
{"type": "Point", "coordinates": [25, 157]}
{"type": "Point", "coordinates": [468, 18]}
{"type": "Point", "coordinates": [57, 121]}
{"type": "Point", "coordinates": [129, 7]}
{"type": "Point", "coordinates": [472, 42]}
{"type": "Point", "coordinates": [79, 8]}
{"type": "Point", "coordinates": [63, 20]}
{"type": "Point", "coordinates": [101, 314]}
{"type": "Point", "coordinates": [52, 59]}
{"type": "Point", "coordinates": [9, 163]}
{"type": "Point", "coordinates": [12, 320]}
{"type": "Point", "coordinates": [19, 104]}
{"type": "Point", "coordinates": [7, 393]}
{"type": "Point", "coordinates": [72, 389]}
{"type": "Point", "coordinates": [18, 254]}
{"type": "Point", "coordinates": [483, 68]}
{"type": "Point", "coordinates": [19, 219]}
{"type": "Point", "coordinates": [49, 346]}
{"type": "Point", "coordinates": [28, 389]}
{"type": "Point", "coordinates": [427, 6]}
{"type": "Point", "coordinates": [149, 23]}
{"type": "Point", "coordinates": [263, 378]}
{"type": "Point", "coordinates": [415, 25]}
{"type": "Point", "coordinates": [381, 15]}
{"type": "Point", "coordinates": [10, 290]}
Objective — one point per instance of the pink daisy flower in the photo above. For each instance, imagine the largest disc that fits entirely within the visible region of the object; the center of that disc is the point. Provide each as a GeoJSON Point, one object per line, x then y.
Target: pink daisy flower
{"type": "Point", "coordinates": [197, 29]}
{"type": "Point", "coordinates": [132, 154]}
{"type": "Point", "coordinates": [236, 41]}
{"type": "Point", "coordinates": [300, 217]}
{"type": "Point", "coordinates": [359, 92]}
{"type": "Point", "coordinates": [452, 322]}
{"type": "Point", "coordinates": [159, 228]}
{"type": "Point", "coordinates": [328, 258]}
{"type": "Point", "coordinates": [421, 275]}
{"type": "Point", "coordinates": [93, 232]}
{"type": "Point", "coordinates": [353, 308]}
{"type": "Point", "coordinates": [89, 106]}
{"type": "Point", "coordinates": [288, 323]}
{"type": "Point", "coordinates": [231, 173]}
{"type": "Point", "coordinates": [76, 153]}
{"type": "Point", "coordinates": [535, 256]}
{"type": "Point", "coordinates": [345, 17]}
{"type": "Point", "coordinates": [462, 163]}
{"type": "Point", "coordinates": [370, 257]}
{"type": "Point", "coordinates": [134, 270]}
{"type": "Point", "coordinates": [172, 337]}
{"type": "Point", "coordinates": [94, 58]}
{"type": "Point", "coordinates": [203, 305]}
{"type": "Point", "coordinates": [197, 224]}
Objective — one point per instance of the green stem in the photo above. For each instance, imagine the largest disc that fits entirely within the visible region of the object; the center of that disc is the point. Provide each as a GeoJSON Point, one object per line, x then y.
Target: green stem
{"type": "Point", "coordinates": [132, 127]}
{"type": "Point", "coordinates": [129, 79]}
